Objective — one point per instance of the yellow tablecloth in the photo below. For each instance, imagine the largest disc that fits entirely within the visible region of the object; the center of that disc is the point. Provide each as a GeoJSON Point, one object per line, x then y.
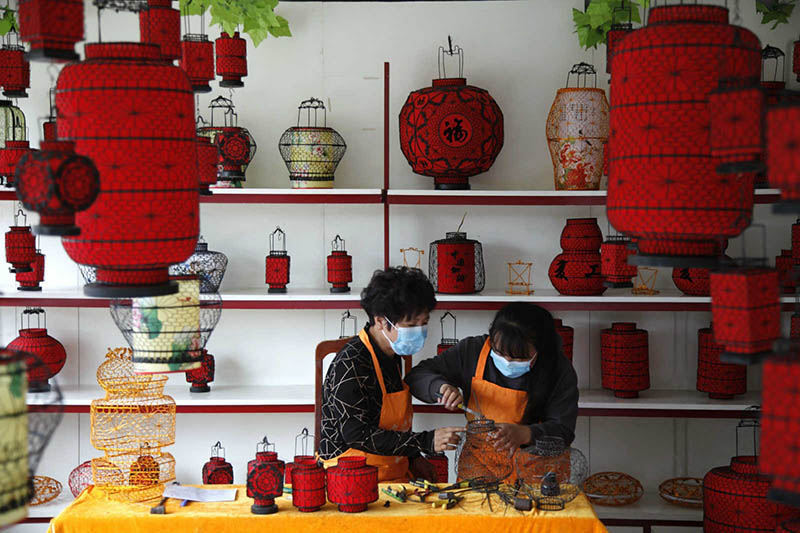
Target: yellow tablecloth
{"type": "Point", "coordinates": [94, 512]}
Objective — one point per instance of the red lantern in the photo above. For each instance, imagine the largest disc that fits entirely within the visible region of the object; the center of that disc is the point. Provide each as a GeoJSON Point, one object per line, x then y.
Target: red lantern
{"type": "Point", "coordinates": [38, 343]}
{"type": "Point", "coordinates": [352, 484]}
{"type": "Point", "coordinates": [10, 155]}
{"type": "Point", "coordinates": [15, 71]}
{"type": "Point", "coordinates": [617, 32]}
{"type": "Point", "coordinates": [277, 263]}
{"type": "Point", "coordinates": [695, 281]}
{"type": "Point", "coordinates": [159, 24]}
{"type": "Point", "coordinates": [447, 342]}
{"type": "Point", "coordinates": [772, 85]}
{"type": "Point", "coordinates": [614, 265]}
{"type": "Point", "coordinates": [783, 157]}
{"type": "Point", "coordinates": [201, 377]}
{"type": "Point", "coordinates": [455, 264]}
{"type": "Point", "coordinates": [722, 381]}
{"type": "Point", "coordinates": [298, 461]}
{"type": "Point", "coordinates": [745, 306]}
{"type": "Point", "coordinates": [265, 479]}
{"type": "Point", "coordinates": [20, 246]}
{"type": "Point", "coordinates": [80, 478]}
{"type": "Point", "coordinates": [236, 146]}
{"type": "Point", "coordinates": [207, 157]}
{"type": "Point", "coordinates": [625, 365]}
{"type": "Point", "coordinates": [52, 27]}
{"type": "Point", "coordinates": [441, 467]}
{"type": "Point", "coordinates": [29, 281]}
{"type": "Point", "coordinates": [308, 486]}
{"type": "Point", "coordinates": [660, 119]}
{"type": "Point", "coordinates": [577, 270]}
{"type": "Point", "coordinates": [340, 267]}
{"type": "Point", "coordinates": [217, 471]}
{"type": "Point", "coordinates": [737, 136]}
{"type": "Point", "coordinates": [197, 59]}
{"type": "Point", "coordinates": [451, 131]}
{"type": "Point", "coordinates": [567, 334]}
{"type": "Point", "coordinates": [231, 59]}
{"type": "Point", "coordinates": [784, 265]}
{"type": "Point", "coordinates": [146, 217]}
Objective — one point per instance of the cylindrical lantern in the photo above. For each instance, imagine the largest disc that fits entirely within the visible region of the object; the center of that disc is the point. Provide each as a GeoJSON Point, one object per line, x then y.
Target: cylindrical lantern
{"type": "Point", "coordinates": [15, 488]}
{"type": "Point", "coordinates": [659, 138]}
{"type": "Point", "coordinates": [15, 71]}
{"type": "Point", "coordinates": [567, 334]}
{"type": "Point", "coordinates": [578, 269]}
{"type": "Point", "coordinates": [231, 59]}
{"type": "Point", "coordinates": [80, 478]}
{"type": "Point", "coordinates": [722, 381]}
{"type": "Point", "coordinates": [476, 456]}
{"type": "Point", "coordinates": [299, 460]}
{"type": "Point", "coordinates": [783, 156]}
{"type": "Point", "coordinates": [147, 215]}
{"type": "Point", "coordinates": [451, 131]}
{"type": "Point", "coordinates": [52, 27]}
{"type": "Point", "coordinates": [197, 59]}
{"type": "Point", "coordinates": [784, 264]}
{"type": "Point", "coordinates": [737, 132]}
{"type": "Point", "coordinates": [352, 484]}
{"type": "Point", "coordinates": [441, 466]}
{"type": "Point", "coordinates": [311, 152]}
{"type": "Point", "coordinates": [576, 129]}
{"type": "Point", "coordinates": [308, 486]}
{"type": "Point", "coordinates": [455, 264]}
{"type": "Point", "coordinates": [160, 24]}
{"type": "Point", "coordinates": [235, 145]}
{"type": "Point", "coordinates": [29, 281]}
{"type": "Point", "coordinates": [207, 157]}
{"type": "Point", "coordinates": [625, 365]}
{"type": "Point", "coordinates": [340, 267]}
{"type": "Point", "coordinates": [37, 342]}
{"type": "Point", "coordinates": [447, 342]}
{"type": "Point", "coordinates": [20, 245]}
{"type": "Point", "coordinates": [201, 377]}
{"type": "Point", "coordinates": [265, 479]}
{"type": "Point", "coordinates": [10, 155]}
{"type": "Point", "coordinates": [207, 265]}
{"type": "Point", "coordinates": [278, 263]}
{"type": "Point", "coordinates": [614, 265]}
{"type": "Point", "coordinates": [217, 471]}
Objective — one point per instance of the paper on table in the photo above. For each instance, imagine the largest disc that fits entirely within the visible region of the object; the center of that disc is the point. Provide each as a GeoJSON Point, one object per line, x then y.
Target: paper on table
{"type": "Point", "coordinates": [196, 494]}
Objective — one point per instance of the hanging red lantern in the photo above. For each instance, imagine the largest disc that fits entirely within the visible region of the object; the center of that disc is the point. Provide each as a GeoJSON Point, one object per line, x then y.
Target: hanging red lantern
{"type": "Point", "coordinates": [217, 471]}
{"type": "Point", "coordinates": [567, 334]}
{"type": "Point", "coordinates": [207, 157]}
{"type": "Point", "coordinates": [722, 381]}
{"type": "Point", "coordinates": [441, 467]}
{"type": "Point", "coordinates": [773, 83]}
{"type": "Point", "coordinates": [52, 27]}
{"type": "Point", "coordinates": [160, 24]}
{"type": "Point", "coordinates": [202, 376]}
{"type": "Point", "coordinates": [235, 145]}
{"type": "Point", "coordinates": [447, 342]}
{"type": "Point", "coordinates": [455, 264]}
{"type": "Point", "coordinates": [660, 120]}
{"type": "Point", "coordinates": [10, 155]}
{"type": "Point", "coordinates": [15, 71]}
{"type": "Point", "coordinates": [625, 365]}
{"type": "Point", "coordinates": [340, 267]}
{"type": "Point", "coordinates": [20, 245]}
{"type": "Point", "coordinates": [29, 281]}
{"type": "Point", "coordinates": [36, 342]}
{"type": "Point", "coordinates": [617, 32]}
{"type": "Point", "coordinates": [308, 486]}
{"type": "Point", "coordinates": [737, 134]}
{"type": "Point", "coordinates": [352, 484]}
{"type": "Point", "coordinates": [197, 59]}
{"type": "Point", "coordinates": [277, 263]}
{"type": "Point", "coordinates": [614, 265]}
{"type": "Point", "coordinates": [80, 478]}
{"type": "Point", "coordinates": [451, 131]}
{"type": "Point", "coordinates": [147, 215]}
{"type": "Point", "coordinates": [784, 264]}
{"type": "Point", "coordinates": [265, 478]}
{"type": "Point", "coordinates": [783, 159]}
{"type": "Point", "coordinates": [231, 59]}
{"type": "Point", "coordinates": [577, 270]}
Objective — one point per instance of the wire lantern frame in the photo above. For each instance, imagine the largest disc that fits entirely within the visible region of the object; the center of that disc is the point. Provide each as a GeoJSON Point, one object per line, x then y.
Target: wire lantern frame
{"type": "Point", "coordinates": [236, 145]}
{"type": "Point", "coordinates": [208, 265]}
{"type": "Point", "coordinates": [476, 456]}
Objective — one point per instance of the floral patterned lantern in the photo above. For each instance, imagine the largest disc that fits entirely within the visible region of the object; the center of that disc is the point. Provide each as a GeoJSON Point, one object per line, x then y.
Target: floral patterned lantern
{"type": "Point", "coordinates": [207, 157]}
{"type": "Point", "coordinates": [277, 263]}
{"type": "Point", "coordinates": [38, 343]}
{"type": "Point", "coordinates": [340, 266]}
{"type": "Point", "coordinates": [265, 478]}
{"type": "Point", "coordinates": [80, 478]}
{"type": "Point", "coordinates": [577, 128]}
{"type": "Point", "coordinates": [236, 146]}
{"type": "Point", "coordinates": [352, 484]}
{"type": "Point", "coordinates": [29, 281]}
{"type": "Point", "coordinates": [15, 70]}
{"type": "Point", "coordinates": [577, 270]}
{"type": "Point", "coordinates": [311, 152]}
{"type": "Point", "coordinates": [567, 334]}
{"type": "Point", "coordinates": [447, 342]}
{"type": "Point", "coordinates": [783, 157]}
{"type": "Point", "coordinates": [455, 264]}
{"type": "Point", "coordinates": [231, 60]}
{"type": "Point", "coordinates": [451, 131]}
{"type": "Point", "coordinates": [614, 265]}
{"type": "Point", "coordinates": [722, 381]}
{"type": "Point", "coordinates": [217, 471]}
{"type": "Point", "coordinates": [624, 360]}
{"type": "Point", "coordinates": [52, 27]}
{"type": "Point", "coordinates": [160, 24]}
{"type": "Point", "coordinates": [20, 245]}
{"type": "Point", "coordinates": [201, 377]}
{"type": "Point", "coordinates": [207, 264]}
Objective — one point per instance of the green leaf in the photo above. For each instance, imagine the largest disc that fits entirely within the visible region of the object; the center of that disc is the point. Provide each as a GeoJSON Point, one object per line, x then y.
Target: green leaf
{"type": "Point", "coordinates": [256, 17]}
{"type": "Point", "coordinates": [282, 30]}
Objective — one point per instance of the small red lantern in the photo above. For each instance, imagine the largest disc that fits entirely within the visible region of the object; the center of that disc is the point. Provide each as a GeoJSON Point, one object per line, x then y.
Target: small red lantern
{"type": "Point", "coordinates": [197, 59]}
{"type": "Point", "coordinates": [20, 245]}
{"type": "Point", "coordinates": [217, 471]}
{"type": "Point", "coordinates": [80, 478]}
{"type": "Point", "coordinates": [29, 281]}
{"type": "Point", "coordinates": [308, 485]}
{"type": "Point", "coordinates": [614, 265]}
{"type": "Point", "coordinates": [352, 484]}
{"type": "Point", "coordinates": [567, 334]}
{"type": "Point", "coordinates": [773, 84]}
{"type": "Point", "coordinates": [722, 381]}
{"type": "Point", "coordinates": [160, 24]}
{"type": "Point", "coordinates": [38, 343]}
{"type": "Point", "coordinates": [340, 267]}
{"type": "Point", "coordinates": [299, 460]}
{"type": "Point", "coordinates": [10, 155]}
{"type": "Point", "coordinates": [301, 455]}
{"type": "Point", "coordinates": [231, 59]}
{"type": "Point", "coordinates": [277, 263]}
{"type": "Point", "coordinates": [447, 342]}
{"type": "Point", "coordinates": [783, 158]}
{"type": "Point", "coordinates": [455, 264]}
{"type": "Point", "coordinates": [737, 133]}
{"type": "Point", "coordinates": [15, 71]}
{"type": "Point", "coordinates": [625, 365]}
{"type": "Point", "coordinates": [265, 478]}
{"type": "Point", "coordinates": [236, 146]}
{"type": "Point", "coordinates": [52, 27]}
{"type": "Point", "coordinates": [201, 377]}
{"type": "Point", "coordinates": [441, 466]}
{"type": "Point", "coordinates": [578, 269]}
{"type": "Point", "coordinates": [207, 157]}
{"type": "Point", "coordinates": [784, 264]}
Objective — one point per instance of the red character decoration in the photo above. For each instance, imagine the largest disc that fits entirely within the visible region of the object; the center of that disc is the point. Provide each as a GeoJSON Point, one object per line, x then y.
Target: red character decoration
{"type": "Point", "coordinates": [52, 27]}
{"type": "Point", "coordinates": [217, 471]}
{"type": "Point", "coordinates": [278, 263]}
{"type": "Point", "coordinates": [352, 484]}
{"type": "Point", "coordinates": [722, 381]}
{"type": "Point", "coordinates": [455, 264]}
{"type": "Point", "coordinates": [340, 267]}
{"type": "Point", "coordinates": [231, 60]}
{"type": "Point", "coordinates": [265, 478]}
{"type": "Point", "coordinates": [625, 364]}
{"type": "Point", "coordinates": [578, 269]}
{"type": "Point", "coordinates": [38, 343]}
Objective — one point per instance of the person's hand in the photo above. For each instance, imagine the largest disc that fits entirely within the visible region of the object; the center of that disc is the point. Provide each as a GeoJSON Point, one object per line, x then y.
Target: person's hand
{"type": "Point", "coordinates": [421, 468]}
{"type": "Point", "coordinates": [451, 397]}
{"type": "Point", "coordinates": [509, 437]}
{"type": "Point", "coordinates": [446, 438]}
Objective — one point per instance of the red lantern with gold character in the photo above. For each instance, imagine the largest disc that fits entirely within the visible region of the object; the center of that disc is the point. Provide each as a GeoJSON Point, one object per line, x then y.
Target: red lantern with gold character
{"type": "Point", "coordinates": [217, 471]}
{"type": "Point", "coordinates": [340, 267]}
{"type": "Point", "coordinates": [231, 59]}
{"type": "Point", "coordinates": [52, 27]}
{"type": "Point", "coordinates": [278, 263]}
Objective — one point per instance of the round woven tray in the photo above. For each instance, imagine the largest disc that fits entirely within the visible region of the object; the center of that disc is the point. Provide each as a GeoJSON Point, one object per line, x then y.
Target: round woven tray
{"type": "Point", "coordinates": [683, 491]}
{"type": "Point", "coordinates": [612, 488]}
{"type": "Point", "coordinates": [45, 489]}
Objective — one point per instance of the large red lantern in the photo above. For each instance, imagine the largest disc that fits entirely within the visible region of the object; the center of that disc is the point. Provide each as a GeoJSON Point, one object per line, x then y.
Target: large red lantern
{"type": "Point", "coordinates": [722, 381]}
{"type": "Point", "coordinates": [567, 334]}
{"type": "Point", "coordinates": [783, 156]}
{"type": "Point", "coordinates": [160, 24]}
{"type": "Point", "coordinates": [614, 265]}
{"type": "Point", "coordinates": [231, 59]}
{"type": "Point", "coordinates": [15, 71]}
{"type": "Point", "coordinates": [29, 281]}
{"type": "Point", "coordinates": [52, 27]}
{"type": "Point", "coordinates": [352, 484]}
{"type": "Point", "coordinates": [660, 122]}
{"type": "Point", "coordinates": [20, 245]}
{"type": "Point", "coordinates": [133, 115]}
{"type": "Point", "coordinates": [217, 471]}
{"type": "Point", "coordinates": [447, 342]}
{"type": "Point", "coordinates": [202, 376]}
{"type": "Point", "coordinates": [36, 342]}
{"type": "Point", "coordinates": [451, 131]}
{"type": "Point", "coordinates": [235, 145]}
{"type": "Point", "coordinates": [278, 263]}
{"type": "Point", "coordinates": [340, 267]}
{"type": "Point", "coordinates": [455, 264]}
{"type": "Point", "coordinates": [265, 478]}
{"type": "Point", "coordinates": [577, 269]}
{"type": "Point", "coordinates": [624, 362]}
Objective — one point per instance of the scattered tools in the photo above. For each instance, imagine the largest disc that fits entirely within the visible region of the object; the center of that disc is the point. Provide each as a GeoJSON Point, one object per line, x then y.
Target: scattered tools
{"type": "Point", "coordinates": [160, 508]}
{"type": "Point", "coordinates": [464, 408]}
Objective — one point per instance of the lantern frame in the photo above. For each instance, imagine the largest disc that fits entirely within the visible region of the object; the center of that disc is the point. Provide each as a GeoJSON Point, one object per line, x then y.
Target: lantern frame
{"type": "Point", "coordinates": [236, 145]}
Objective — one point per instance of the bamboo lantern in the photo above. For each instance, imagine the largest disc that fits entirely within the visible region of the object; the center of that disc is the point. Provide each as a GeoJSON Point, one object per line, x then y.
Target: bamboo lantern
{"type": "Point", "coordinates": [352, 484]}
{"type": "Point", "coordinates": [447, 342]}
{"type": "Point", "coordinates": [624, 360]}
{"type": "Point", "coordinates": [217, 471]}
{"type": "Point", "coordinates": [340, 267]}
{"type": "Point", "coordinates": [265, 478]}
{"type": "Point", "coordinates": [52, 27]}
{"type": "Point", "coordinates": [277, 263]}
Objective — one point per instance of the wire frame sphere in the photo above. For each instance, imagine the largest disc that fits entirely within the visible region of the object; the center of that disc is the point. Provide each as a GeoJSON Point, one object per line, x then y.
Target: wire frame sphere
{"type": "Point", "coordinates": [209, 266]}
{"type": "Point", "coordinates": [80, 478]}
{"type": "Point", "coordinates": [52, 27]}
{"type": "Point", "coordinates": [551, 455]}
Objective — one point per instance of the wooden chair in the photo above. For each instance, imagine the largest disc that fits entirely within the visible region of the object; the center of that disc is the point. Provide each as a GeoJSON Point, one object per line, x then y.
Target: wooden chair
{"type": "Point", "coordinates": [324, 349]}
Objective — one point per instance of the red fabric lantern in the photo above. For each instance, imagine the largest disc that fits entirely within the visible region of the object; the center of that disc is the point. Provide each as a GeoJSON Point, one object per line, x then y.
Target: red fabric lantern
{"type": "Point", "coordinates": [10, 155]}
{"type": "Point", "coordinates": [147, 215]}
{"type": "Point", "coordinates": [278, 263]}
{"type": "Point", "coordinates": [578, 269]}
{"type": "Point", "coordinates": [737, 134]}
{"type": "Point", "coordinates": [52, 27]}
{"type": "Point", "coordinates": [197, 59]}
{"type": "Point", "coordinates": [80, 478]}
{"type": "Point", "coordinates": [722, 381]}
{"type": "Point", "coordinates": [308, 486]}
{"type": "Point", "coordinates": [264, 479]}
{"type": "Point", "coordinates": [217, 471]}
{"type": "Point", "coordinates": [455, 264]}
{"type": "Point", "coordinates": [15, 71]}
{"type": "Point", "coordinates": [340, 267]}
{"type": "Point", "coordinates": [441, 467]}
{"type": "Point", "coordinates": [231, 59]}
{"type": "Point", "coordinates": [201, 377]}
{"type": "Point", "coordinates": [38, 343]}
{"type": "Point", "coordinates": [298, 460]}
{"type": "Point", "coordinates": [567, 334]}
{"type": "Point", "coordinates": [796, 242]}
{"type": "Point", "coordinates": [352, 484]}
{"type": "Point", "coordinates": [784, 265]}
{"type": "Point", "coordinates": [29, 281]}
{"type": "Point", "coordinates": [50, 130]}
{"type": "Point", "coordinates": [207, 156]}
{"type": "Point", "coordinates": [160, 25]}
{"type": "Point", "coordinates": [659, 142]}
{"type": "Point", "coordinates": [695, 281]}
{"type": "Point", "coordinates": [451, 131]}
{"type": "Point", "coordinates": [745, 306]}
{"type": "Point", "coordinates": [624, 363]}
{"type": "Point", "coordinates": [20, 248]}
{"type": "Point", "coordinates": [614, 265]}
{"type": "Point", "coordinates": [783, 154]}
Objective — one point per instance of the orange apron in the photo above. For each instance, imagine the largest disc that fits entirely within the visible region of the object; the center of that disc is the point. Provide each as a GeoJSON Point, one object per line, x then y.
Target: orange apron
{"type": "Point", "coordinates": [396, 415]}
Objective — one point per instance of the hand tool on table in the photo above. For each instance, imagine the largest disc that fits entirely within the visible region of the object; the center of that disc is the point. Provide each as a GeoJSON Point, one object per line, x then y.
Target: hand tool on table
{"type": "Point", "coordinates": [464, 408]}
{"type": "Point", "coordinates": [160, 508]}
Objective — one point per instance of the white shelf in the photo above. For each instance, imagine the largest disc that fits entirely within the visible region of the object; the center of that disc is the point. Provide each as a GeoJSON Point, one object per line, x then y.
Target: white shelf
{"type": "Point", "coordinates": [650, 507]}
{"type": "Point", "coordinates": [667, 400]}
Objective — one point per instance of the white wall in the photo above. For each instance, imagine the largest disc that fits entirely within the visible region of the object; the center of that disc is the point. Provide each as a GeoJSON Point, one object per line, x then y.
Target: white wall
{"type": "Point", "coordinates": [520, 51]}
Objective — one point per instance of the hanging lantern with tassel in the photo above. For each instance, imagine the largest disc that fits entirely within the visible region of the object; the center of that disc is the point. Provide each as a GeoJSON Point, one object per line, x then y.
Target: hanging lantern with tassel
{"type": "Point", "coordinates": [209, 266]}
{"type": "Point", "coordinates": [52, 27]}
{"type": "Point", "coordinates": [20, 245]}
{"type": "Point", "coordinates": [45, 348]}
{"type": "Point", "coordinates": [722, 381]}
{"type": "Point", "coordinates": [624, 360]}
{"type": "Point", "coordinates": [29, 281]}
{"type": "Point", "coordinates": [265, 478]}
{"type": "Point", "coordinates": [217, 471]}
{"type": "Point", "coordinates": [278, 263]}
{"type": "Point", "coordinates": [231, 60]}
{"type": "Point", "coordinates": [447, 342]}
{"type": "Point", "coordinates": [236, 146]}
{"type": "Point", "coordinates": [160, 24]}
{"type": "Point", "coordinates": [197, 52]}
{"type": "Point", "coordinates": [455, 263]}
{"type": "Point", "coordinates": [340, 267]}
{"type": "Point", "coordinates": [201, 377]}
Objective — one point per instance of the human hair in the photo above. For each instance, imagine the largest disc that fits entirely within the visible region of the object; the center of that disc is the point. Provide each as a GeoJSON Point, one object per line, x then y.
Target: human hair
{"type": "Point", "coordinates": [398, 293]}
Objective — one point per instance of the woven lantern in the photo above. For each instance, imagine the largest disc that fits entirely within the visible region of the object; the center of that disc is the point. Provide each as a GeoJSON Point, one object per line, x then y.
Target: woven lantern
{"type": "Point", "coordinates": [352, 484]}
{"type": "Point", "coordinates": [207, 157]}
{"type": "Point", "coordinates": [722, 381]}
{"type": "Point", "coordinates": [15, 490]}
{"type": "Point", "coordinates": [614, 265]}
{"type": "Point", "coordinates": [783, 156]}
{"type": "Point", "coordinates": [447, 342]}
{"type": "Point", "coordinates": [52, 27]}
{"type": "Point", "coordinates": [737, 133]}
{"type": "Point", "coordinates": [37, 342]}
{"type": "Point", "coordinates": [796, 59]}
{"type": "Point", "coordinates": [455, 264]}
{"type": "Point", "coordinates": [624, 362]}
{"type": "Point", "coordinates": [549, 457]}
{"type": "Point", "coordinates": [567, 334]}
{"type": "Point", "coordinates": [301, 454]}
{"type": "Point", "coordinates": [197, 59]}
{"type": "Point", "coordinates": [308, 485]}
{"type": "Point", "coordinates": [201, 377]}
{"type": "Point", "coordinates": [147, 215]}
{"type": "Point", "coordinates": [15, 70]}
{"type": "Point", "coordinates": [578, 269]}
{"type": "Point", "coordinates": [476, 456]}
{"type": "Point", "coordinates": [340, 267]}
{"type": "Point", "coordinates": [451, 131]}
{"type": "Point", "coordinates": [29, 281]}
{"type": "Point", "coordinates": [311, 152]}
{"type": "Point", "coordinates": [576, 129]}
{"type": "Point", "coordinates": [235, 145]}
{"type": "Point", "coordinates": [231, 59]}
{"type": "Point", "coordinates": [20, 245]}
{"type": "Point", "coordinates": [695, 281]}
{"type": "Point", "coordinates": [80, 478]}
{"type": "Point", "coordinates": [773, 80]}
{"type": "Point", "coordinates": [784, 264]}
{"type": "Point", "coordinates": [265, 478]}
{"type": "Point", "coordinates": [217, 471]}
{"type": "Point", "coordinates": [659, 140]}
{"type": "Point", "coordinates": [160, 24]}
{"type": "Point", "coordinates": [209, 266]}
{"type": "Point", "coordinates": [278, 263]}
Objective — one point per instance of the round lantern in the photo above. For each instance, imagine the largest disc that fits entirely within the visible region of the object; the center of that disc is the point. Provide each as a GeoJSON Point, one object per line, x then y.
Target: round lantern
{"type": "Point", "coordinates": [147, 215]}
{"type": "Point", "coordinates": [217, 471]}
{"type": "Point", "coordinates": [209, 266]}
{"type": "Point", "coordinates": [56, 183]}
{"type": "Point", "coordinates": [15, 71]}
{"type": "Point", "coordinates": [15, 487]}
{"type": "Point", "coordinates": [311, 152]}
{"type": "Point", "coordinates": [277, 263]}
{"type": "Point", "coordinates": [235, 145]}
{"type": "Point", "coordinates": [567, 334]}
{"type": "Point", "coordinates": [231, 59]}
{"type": "Point", "coordinates": [784, 264]}
{"type": "Point", "coordinates": [265, 478]}
{"type": "Point", "coordinates": [52, 27]}
{"type": "Point", "coordinates": [340, 267]}
{"type": "Point", "coordinates": [695, 281]}
{"type": "Point", "coordinates": [20, 245]}
{"type": "Point", "coordinates": [614, 265]}
{"type": "Point", "coordinates": [659, 140]}
{"type": "Point", "coordinates": [783, 157]}
{"type": "Point", "coordinates": [451, 131]}
{"type": "Point", "coordinates": [207, 157]}
{"type": "Point", "coordinates": [38, 343]}
{"type": "Point", "coordinates": [197, 59]}
{"type": "Point", "coordinates": [455, 264]}
{"type": "Point", "coordinates": [80, 478]}
{"type": "Point", "coordinates": [577, 270]}
{"type": "Point", "coordinates": [201, 377]}
{"type": "Point", "coordinates": [447, 342]}
{"type": "Point", "coordinates": [547, 456]}
{"type": "Point", "coordinates": [624, 362]}
{"type": "Point", "coordinates": [29, 281]}
{"type": "Point", "coordinates": [352, 484]}
{"type": "Point", "coordinates": [722, 381]}
{"type": "Point", "coordinates": [308, 486]}
{"type": "Point", "coordinates": [576, 129]}
{"type": "Point", "coordinates": [159, 24]}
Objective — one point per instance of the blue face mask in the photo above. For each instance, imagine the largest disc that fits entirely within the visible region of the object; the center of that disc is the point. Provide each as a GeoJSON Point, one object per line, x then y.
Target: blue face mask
{"type": "Point", "coordinates": [409, 340]}
{"type": "Point", "coordinates": [510, 369]}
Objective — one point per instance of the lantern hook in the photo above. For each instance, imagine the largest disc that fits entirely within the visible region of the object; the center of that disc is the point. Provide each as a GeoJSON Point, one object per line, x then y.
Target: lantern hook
{"type": "Point", "coordinates": [462, 223]}
{"type": "Point", "coordinates": [216, 449]}
{"type": "Point", "coordinates": [265, 445]}
{"type": "Point", "coordinates": [582, 69]}
{"type": "Point", "coordinates": [303, 436]}
{"type": "Point", "coordinates": [38, 312]}
{"type": "Point", "coordinates": [451, 50]}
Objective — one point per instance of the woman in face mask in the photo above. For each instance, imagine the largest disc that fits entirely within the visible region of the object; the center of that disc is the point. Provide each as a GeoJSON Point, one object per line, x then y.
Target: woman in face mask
{"type": "Point", "coordinates": [516, 375]}
{"type": "Point", "coordinates": [366, 406]}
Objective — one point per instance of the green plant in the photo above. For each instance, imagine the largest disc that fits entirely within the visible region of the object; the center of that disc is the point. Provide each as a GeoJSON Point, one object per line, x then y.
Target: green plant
{"type": "Point", "coordinates": [775, 11]}
{"type": "Point", "coordinates": [8, 22]}
{"type": "Point", "coordinates": [592, 25]}
{"type": "Point", "coordinates": [256, 17]}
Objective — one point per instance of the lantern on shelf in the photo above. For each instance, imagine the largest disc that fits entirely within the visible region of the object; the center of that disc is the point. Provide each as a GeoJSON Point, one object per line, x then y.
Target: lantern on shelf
{"type": "Point", "coordinates": [15, 70]}
{"type": "Point", "coordinates": [352, 484]}
{"type": "Point", "coordinates": [447, 342]}
{"type": "Point", "coordinates": [695, 281]}
{"type": "Point", "coordinates": [783, 160]}
{"type": "Point", "coordinates": [80, 478]}
{"type": "Point", "coordinates": [659, 137]}
{"type": "Point", "coordinates": [451, 131]}
{"type": "Point", "coordinates": [301, 454]}
{"type": "Point", "coordinates": [14, 140]}
{"type": "Point", "coordinates": [784, 264]}
{"type": "Point", "coordinates": [567, 334]}
{"type": "Point", "coordinates": [577, 270]}
{"type": "Point", "coordinates": [722, 381]}
{"type": "Point", "coordinates": [201, 377]}
{"type": "Point", "coordinates": [235, 145]}
{"type": "Point", "coordinates": [52, 27]}
{"type": "Point", "coordinates": [20, 245]}
{"type": "Point", "coordinates": [217, 471]}
{"type": "Point", "coordinates": [209, 266]}
{"type": "Point", "coordinates": [614, 265]}
{"type": "Point", "coordinates": [45, 348]}
{"type": "Point", "coordinates": [773, 83]}
{"type": "Point", "coordinates": [455, 264]}
{"type": "Point", "coordinates": [207, 157]}
{"type": "Point", "coordinates": [265, 478]}
{"type": "Point", "coordinates": [29, 281]}
{"type": "Point", "coordinates": [624, 359]}
{"type": "Point", "coordinates": [340, 267]}
{"type": "Point", "coordinates": [576, 129]}
{"type": "Point", "coordinates": [311, 152]}
{"type": "Point", "coordinates": [197, 59]}
{"type": "Point", "coordinates": [278, 263]}
{"type": "Point", "coordinates": [308, 486]}
{"type": "Point", "coordinates": [231, 59]}
{"type": "Point", "coordinates": [160, 24]}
